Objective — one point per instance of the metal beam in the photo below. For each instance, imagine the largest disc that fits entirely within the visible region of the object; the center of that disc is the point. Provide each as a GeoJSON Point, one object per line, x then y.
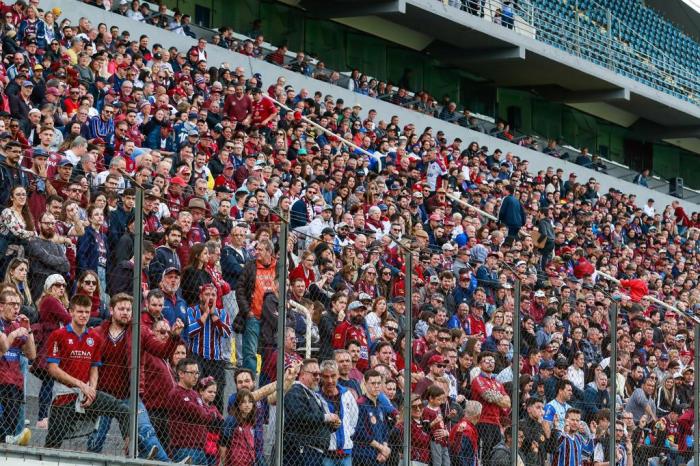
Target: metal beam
{"type": "Point", "coordinates": [578, 97]}
{"type": "Point", "coordinates": [456, 56]}
{"type": "Point", "coordinates": [353, 8]}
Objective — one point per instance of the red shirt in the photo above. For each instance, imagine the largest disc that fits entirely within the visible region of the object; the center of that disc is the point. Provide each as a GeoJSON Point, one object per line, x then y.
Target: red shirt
{"type": "Point", "coordinates": [345, 332]}
{"type": "Point", "coordinates": [429, 415]}
{"type": "Point", "coordinates": [238, 109]}
{"type": "Point", "coordinates": [189, 419]}
{"type": "Point", "coordinates": [262, 110]}
{"type": "Point", "coordinates": [10, 373]}
{"type": "Point", "coordinates": [75, 355]}
{"type": "Point", "coordinates": [490, 412]}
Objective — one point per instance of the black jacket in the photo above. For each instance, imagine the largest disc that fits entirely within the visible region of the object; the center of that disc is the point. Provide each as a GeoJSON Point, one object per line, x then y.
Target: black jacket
{"type": "Point", "coordinates": [304, 418]}
{"type": "Point", "coordinates": [192, 279]}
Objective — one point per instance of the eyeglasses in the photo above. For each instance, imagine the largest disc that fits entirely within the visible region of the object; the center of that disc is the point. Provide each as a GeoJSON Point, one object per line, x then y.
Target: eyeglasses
{"type": "Point", "coordinates": [60, 285]}
{"type": "Point", "coordinates": [12, 303]}
{"type": "Point", "coordinates": [162, 332]}
{"type": "Point", "coordinates": [417, 407]}
{"type": "Point", "coordinates": [90, 282]}
{"type": "Point", "coordinates": [314, 374]}
{"type": "Point", "coordinates": [392, 329]}
{"type": "Point", "coordinates": [191, 372]}
{"type": "Point", "coordinates": [444, 338]}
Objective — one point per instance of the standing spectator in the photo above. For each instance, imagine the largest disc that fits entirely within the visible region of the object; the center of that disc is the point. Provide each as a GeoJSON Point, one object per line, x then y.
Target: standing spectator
{"type": "Point", "coordinates": [464, 439]}
{"type": "Point", "coordinates": [11, 174]}
{"type": "Point", "coordinates": [308, 423]}
{"type": "Point", "coordinates": [206, 332]}
{"type": "Point", "coordinates": [434, 422]}
{"type": "Point", "coordinates": [341, 402]}
{"type": "Point", "coordinates": [93, 251]}
{"type": "Point", "coordinates": [572, 442]}
{"type": "Point", "coordinates": [354, 329]}
{"type": "Point", "coordinates": [16, 227]}
{"type": "Point", "coordinates": [73, 360]}
{"type": "Point", "coordinates": [371, 446]}
{"type": "Point", "coordinates": [512, 213]}
{"type": "Point", "coordinates": [46, 256]}
{"type": "Point", "coordinates": [195, 275]}
{"type": "Point", "coordinates": [493, 398]}
{"type": "Point", "coordinates": [189, 419]}
{"type": "Point", "coordinates": [52, 315]}
{"type": "Point", "coordinates": [642, 401]}
{"type": "Point", "coordinates": [239, 432]}
{"type": "Point", "coordinates": [254, 282]}
{"type": "Point", "coordinates": [114, 377]}
{"type": "Point", "coordinates": [16, 339]}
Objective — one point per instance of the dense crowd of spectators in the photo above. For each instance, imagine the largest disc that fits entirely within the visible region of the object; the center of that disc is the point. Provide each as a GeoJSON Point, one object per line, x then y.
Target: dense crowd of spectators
{"type": "Point", "coordinates": [91, 114]}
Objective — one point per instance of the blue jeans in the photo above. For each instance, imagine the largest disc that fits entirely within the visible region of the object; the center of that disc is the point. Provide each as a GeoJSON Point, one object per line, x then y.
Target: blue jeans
{"type": "Point", "coordinates": [347, 461]}
{"type": "Point", "coordinates": [250, 344]}
{"type": "Point", "coordinates": [147, 435]}
{"type": "Point", "coordinates": [197, 456]}
{"type": "Point", "coordinates": [24, 368]}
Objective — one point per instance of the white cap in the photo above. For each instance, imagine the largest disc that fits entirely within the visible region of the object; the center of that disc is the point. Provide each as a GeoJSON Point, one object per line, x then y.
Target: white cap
{"type": "Point", "coordinates": [51, 280]}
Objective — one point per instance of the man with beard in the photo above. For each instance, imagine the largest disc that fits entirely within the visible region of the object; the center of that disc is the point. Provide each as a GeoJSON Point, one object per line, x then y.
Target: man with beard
{"type": "Point", "coordinates": [166, 255]}
{"type": "Point", "coordinates": [11, 173]}
{"type": "Point", "coordinates": [46, 257]}
{"type": "Point", "coordinates": [174, 306]}
{"type": "Point", "coordinates": [302, 211]}
{"type": "Point", "coordinates": [354, 328]}
{"type": "Point", "coordinates": [494, 399]}
{"type": "Point", "coordinates": [114, 378]}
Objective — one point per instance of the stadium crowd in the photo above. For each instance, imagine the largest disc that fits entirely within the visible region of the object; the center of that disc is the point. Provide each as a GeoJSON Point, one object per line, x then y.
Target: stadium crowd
{"type": "Point", "coordinates": [90, 114]}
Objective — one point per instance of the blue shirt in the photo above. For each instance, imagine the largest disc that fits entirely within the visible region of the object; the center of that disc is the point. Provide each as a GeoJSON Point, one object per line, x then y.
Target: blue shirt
{"type": "Point", "coordinates": [204, 339]}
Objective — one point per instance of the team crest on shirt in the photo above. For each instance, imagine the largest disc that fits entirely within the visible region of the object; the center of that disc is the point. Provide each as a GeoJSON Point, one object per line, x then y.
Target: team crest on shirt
{"type": "Point", "coordinates": [90, 341]}
{"type": "Point", "coordinates": [372, 419]}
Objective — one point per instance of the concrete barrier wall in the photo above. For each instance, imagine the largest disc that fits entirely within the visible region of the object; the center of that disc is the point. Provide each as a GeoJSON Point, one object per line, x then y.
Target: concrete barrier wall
{"type": "Point", "coordinates": [538, 161]}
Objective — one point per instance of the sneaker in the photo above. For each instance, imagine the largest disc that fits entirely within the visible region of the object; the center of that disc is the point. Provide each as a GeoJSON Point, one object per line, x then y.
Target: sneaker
{"type": "Point", "coordinates": [42, 424]}
{"type": "Point", "coordinates": [22, 439]}
{"type": "Point", "coordinates": [185, 460]}
{"type": "Point", "coordinates": [152, 453]}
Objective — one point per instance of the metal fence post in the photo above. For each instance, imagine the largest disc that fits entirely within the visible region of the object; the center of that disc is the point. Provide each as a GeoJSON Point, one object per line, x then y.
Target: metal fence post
{"type": "Point", "coordinates": [613, 377]}
{"type": "Point", "coordinates": [281, 324]}
{"type": "Point", "coordinates": [515, 365]}
{"type": "Point", "coordinates": [408, 358]}
{"type": "Point", "coordinates": [136, 327]}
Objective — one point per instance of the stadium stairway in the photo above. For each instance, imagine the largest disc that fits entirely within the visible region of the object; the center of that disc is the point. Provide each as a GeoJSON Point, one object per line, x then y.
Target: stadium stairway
{"type": "Point", "coordinates": [73, 10]}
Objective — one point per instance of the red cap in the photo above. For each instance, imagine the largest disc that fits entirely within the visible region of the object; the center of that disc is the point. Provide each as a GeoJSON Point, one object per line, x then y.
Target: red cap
{"type": "Point", "coordinates": [213, 231]}
{"type": "Point", "coordinates": [178, 181]}
{"type": "Point", "coordinates": [436, 359]}
{"type": "Point", "coordinates": [435, 217]}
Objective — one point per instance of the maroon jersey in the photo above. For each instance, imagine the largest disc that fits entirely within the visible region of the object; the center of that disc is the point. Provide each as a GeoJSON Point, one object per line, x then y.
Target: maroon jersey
{"type": "Point", "coordinates": [10, 373]}
{"type": "Point", "coordinates": [490, 413]}
{"type": "Point", "coordinates": [75, 355]}
{"type": "Point", "coordinates": [345, 332]}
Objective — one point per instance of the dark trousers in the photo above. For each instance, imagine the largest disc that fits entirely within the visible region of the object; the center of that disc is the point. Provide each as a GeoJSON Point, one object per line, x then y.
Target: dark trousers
{"type": "Point", "coordinates": [489, 437]}
{"type": "Point", "coordinates": [216, 369]}
{"type": "Point", "coordinates": [546, 252]}
{"type": "Point", "coordinates": [11, 400]}
{"type": "Point", "coordinates": [63, 419]}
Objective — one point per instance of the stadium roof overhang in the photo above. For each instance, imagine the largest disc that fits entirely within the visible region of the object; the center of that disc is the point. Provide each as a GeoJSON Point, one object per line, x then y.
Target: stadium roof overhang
{"type": "Point", "coordinates": [515, 59]}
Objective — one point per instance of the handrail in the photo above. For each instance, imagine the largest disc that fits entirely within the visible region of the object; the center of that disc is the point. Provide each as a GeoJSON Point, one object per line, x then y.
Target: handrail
{"type": "Point", "coordinates": [309, 322]}
{"type": "Point", "coordinates": [654, 300]}
{"type": "Point", "coordinates": [328, 132]}
{"type": "Point", "coordinates": [466, 204]}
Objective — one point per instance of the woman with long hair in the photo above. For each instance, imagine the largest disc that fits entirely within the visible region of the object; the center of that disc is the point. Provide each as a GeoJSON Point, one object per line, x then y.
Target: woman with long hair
{"type": "Point", "coordinates": [53, 314]}
{"type": "Point", "coordinates": [88, 284]}
{"type": "Point", "coordinates": [16, 227]}
{"type": "Point", "coordinates": [375, 317]}
{"type": "Point", "coordinates": [238, 433]}
{"type": "Point", "coordinates": [368, 282]}
{"type": "Point", "coordinates": [666, 396]}
{"type": "Point", "coordinates": [195, 274]}
{"type": "Point", "coordinates": [16, 275]}
{"type": "Point", "coordinates": [305, 269]}
{"type": "Point", "coordinates": [93, 250]}
{"type": "Point", "coordinates": [206, 387]}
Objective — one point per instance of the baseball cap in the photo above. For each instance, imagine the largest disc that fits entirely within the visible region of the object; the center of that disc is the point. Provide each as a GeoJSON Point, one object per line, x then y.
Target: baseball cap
{"type": "Point", "coordinates": [178, 181]}
{"type": "Point", "coordinates": [170, 270]}
{"type": "Point", "coordinates": [65, 162]}
{"type": "Point", "coordinates": [364, 297]}
{"type": "Point", "coordinates": [356, 305]}
{"type": "Point", "coordinates": [436, 359]}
